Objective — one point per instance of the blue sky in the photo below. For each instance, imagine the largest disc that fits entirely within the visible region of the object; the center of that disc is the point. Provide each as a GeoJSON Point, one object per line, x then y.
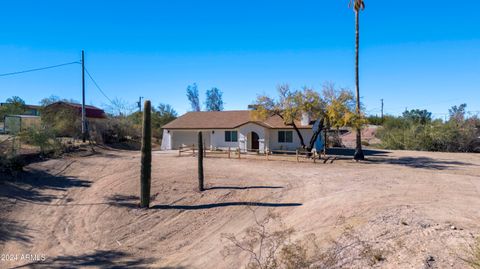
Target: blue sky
{"type": "Point", "coordinates": [414, 54]}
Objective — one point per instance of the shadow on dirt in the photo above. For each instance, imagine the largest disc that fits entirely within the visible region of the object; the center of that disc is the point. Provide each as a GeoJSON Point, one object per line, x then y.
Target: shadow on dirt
{"type": "Point", "coordinates": [420, 162]}
{"type": "Point", "coordinates": [33, 186]}
{"type": "Point", "coordinates": [131, 201]}
{"type": "Point", "coordinates": [13, 231]}
{"type": "Point", "coordinates": [347, 152]}
{"type": "Point", "coordinates": [99, 259]}
{"type": "Point", "coordinates": [242, 188]}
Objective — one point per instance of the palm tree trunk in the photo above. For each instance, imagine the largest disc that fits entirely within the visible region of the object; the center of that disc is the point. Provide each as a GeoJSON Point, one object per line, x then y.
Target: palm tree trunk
{"type": "Point", "coordinates": [358, 150]}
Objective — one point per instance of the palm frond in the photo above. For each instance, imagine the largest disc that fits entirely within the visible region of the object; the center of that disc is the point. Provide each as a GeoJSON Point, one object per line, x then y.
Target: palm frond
{"type": "Point", "coordinates": [357, 5]}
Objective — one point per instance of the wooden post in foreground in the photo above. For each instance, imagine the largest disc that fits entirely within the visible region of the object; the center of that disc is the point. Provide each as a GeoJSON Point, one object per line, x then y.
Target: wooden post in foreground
{"type": "Point", "coordinates": [238, 152]}
{"type": "Point", "coordinates": [296, 152]}
{"type": "Point", "coordinates": [200, 162]}
{"type": "Point", "coordinates": [229, 152]}
{"type": "Point", "coordinates": [146, 159]}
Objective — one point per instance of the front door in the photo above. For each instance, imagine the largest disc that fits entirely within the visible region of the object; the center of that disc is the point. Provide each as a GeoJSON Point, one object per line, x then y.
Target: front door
{"type": "Point", "coordinates": [255, 145]}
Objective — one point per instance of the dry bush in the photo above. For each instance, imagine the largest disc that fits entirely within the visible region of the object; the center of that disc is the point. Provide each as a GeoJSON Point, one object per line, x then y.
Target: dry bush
{"type": "Point", "coordinates": [473, 254]}
{"type": "Point", "coordinates": [268, 244]}
{"type": "Point", "coordinates": [263, 245]}
{"type": "Point", "coordinates": [119, 129]}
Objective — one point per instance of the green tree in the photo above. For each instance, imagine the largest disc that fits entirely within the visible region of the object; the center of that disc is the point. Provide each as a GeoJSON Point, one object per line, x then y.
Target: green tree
{"type": "Point", "coordinates": [165, 113]}
{"type": "Point", "coordinates": [357, 5]}
{"type": "Point", "coordinates": [193, 97]}
{"type": "Point", "coordinates": [13, 106]}
{"type": "Point", "coordinates": [339, 107]}
{"type": "Point", "coordinates": [289, 106]}
{"type": "Point", "coordinates": [457, 113]}
{"type": "Point", "coordinates": [214, 100]}
{"type": "Point", "coordinates": [336, 109]}
{"type": "Point", "coordinates": [161, 116]}
{"type": "Point", "coordinates": [418, 116]}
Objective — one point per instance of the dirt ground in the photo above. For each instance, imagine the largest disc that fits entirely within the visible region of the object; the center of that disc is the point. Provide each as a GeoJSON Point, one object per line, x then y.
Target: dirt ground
{"type": "Point", "coordinates": [419, 210]}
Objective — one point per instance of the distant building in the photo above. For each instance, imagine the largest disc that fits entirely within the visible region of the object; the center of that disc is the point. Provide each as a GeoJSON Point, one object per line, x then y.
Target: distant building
{"type": "Point", "coordinates": [13, 124]}
{"type": "Point", "coordinates": [91, 112]}
{"type": "Point", "coordinates": [30, 110]}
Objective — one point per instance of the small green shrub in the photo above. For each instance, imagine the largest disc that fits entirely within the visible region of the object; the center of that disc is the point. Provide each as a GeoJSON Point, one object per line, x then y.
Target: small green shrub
{"type": "Point", "coordinates": [42, 138]}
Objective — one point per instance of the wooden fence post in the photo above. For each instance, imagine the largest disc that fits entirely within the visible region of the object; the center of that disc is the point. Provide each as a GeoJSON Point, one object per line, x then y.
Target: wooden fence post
{"type": "Point", "coordinates": [314, 156]}
{"type": "Point", "coordinates": [238, 152]}
{"type": "Point", "coordinates": [296, 152]}
{"type": "Point", "coordinates": [229, 152]}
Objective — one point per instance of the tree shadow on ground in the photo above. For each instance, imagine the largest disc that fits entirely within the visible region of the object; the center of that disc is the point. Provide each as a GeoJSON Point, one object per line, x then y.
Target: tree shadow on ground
{"type": "Point", "coordinates": [13, 231]}
{"type": "Point", "coordinates": [420, 162]}
{"type": "Point", "coordinates": [107, 259]}
{"type": "Point", "coordinates": [348, 152]}
{"type": "Point", "coordinates": [33, 184]}
{"type": "Point", "coordinates": [242, 187]}
{"type": "Point", "coordinates": [132, 201]}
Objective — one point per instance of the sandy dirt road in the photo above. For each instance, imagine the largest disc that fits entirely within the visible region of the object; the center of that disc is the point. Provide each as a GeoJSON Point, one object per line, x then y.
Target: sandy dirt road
{"type": "Point", "coordinates": [420, 209]}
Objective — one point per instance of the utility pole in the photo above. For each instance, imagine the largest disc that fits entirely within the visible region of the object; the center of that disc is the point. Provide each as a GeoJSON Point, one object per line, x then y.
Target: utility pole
{"type": "Point", "coordinates": [139, 103]}
{"type": "Point", "coordinates": [382, 110]}
{"type": "Point", "coordinates": [84, 123]}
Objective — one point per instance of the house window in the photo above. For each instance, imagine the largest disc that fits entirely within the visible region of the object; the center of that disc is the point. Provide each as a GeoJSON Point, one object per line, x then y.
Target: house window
{"type": "Point", "coordinates": [231, 136]}
{"type": "Point", "coordinates": [285, 136]}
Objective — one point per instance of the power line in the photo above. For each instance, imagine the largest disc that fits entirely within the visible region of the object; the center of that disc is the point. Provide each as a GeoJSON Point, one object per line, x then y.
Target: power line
{"type": "Point", "coordinates": [98, 87]}
{"type": "Point", "coordinates": [37, 69]}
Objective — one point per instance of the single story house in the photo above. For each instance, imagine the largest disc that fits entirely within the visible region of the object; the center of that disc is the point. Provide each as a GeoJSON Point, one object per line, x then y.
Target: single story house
{"type": "Point", "coordinates": [234, 129]}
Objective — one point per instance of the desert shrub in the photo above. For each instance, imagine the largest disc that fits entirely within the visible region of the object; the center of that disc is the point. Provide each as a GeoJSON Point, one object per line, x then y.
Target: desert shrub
{"type": "Point", "coordinates": [375, 120]}
{"type": "Point", "coordinates": [120, 129]}
{"type": "Point", "coordinates": [62, 121]}
{"type": "Point", "coordinates": [417, 131]}
{"type": "Point", "coordinates": [269, 245]}
{"type": "Point", "coordinates": [473, 255]}
{"type": "Point", "coordinates": [43, 138]}
{"type": "Point", "coordinates": [10, 166]}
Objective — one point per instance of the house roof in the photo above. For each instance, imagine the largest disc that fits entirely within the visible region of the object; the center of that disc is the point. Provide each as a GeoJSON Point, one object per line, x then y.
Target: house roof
{"type": "Point", "coordinates": [90, 111]}
{"type": "Point", "coordinates": [225, 120]}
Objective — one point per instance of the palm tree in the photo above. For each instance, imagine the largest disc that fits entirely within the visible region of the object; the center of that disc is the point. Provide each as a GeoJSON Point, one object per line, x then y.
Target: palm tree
{"type": "Point", "coordinates": [357, 5]}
